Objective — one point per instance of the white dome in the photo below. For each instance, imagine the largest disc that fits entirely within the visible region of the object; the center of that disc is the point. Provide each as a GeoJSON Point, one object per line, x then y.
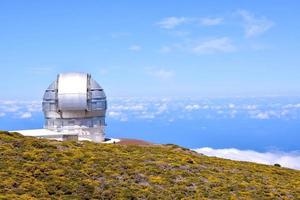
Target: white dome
{"type": "Point", "coordinates": [75, 102]}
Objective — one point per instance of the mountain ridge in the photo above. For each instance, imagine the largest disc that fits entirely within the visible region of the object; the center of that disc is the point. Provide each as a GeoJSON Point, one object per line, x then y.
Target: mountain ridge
{"type": "Point", "coordinates": [32, 168]}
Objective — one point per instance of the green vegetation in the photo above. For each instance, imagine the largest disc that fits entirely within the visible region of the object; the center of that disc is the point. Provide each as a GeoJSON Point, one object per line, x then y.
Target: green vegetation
{"type": "Point", "coordinates": [32, 168]}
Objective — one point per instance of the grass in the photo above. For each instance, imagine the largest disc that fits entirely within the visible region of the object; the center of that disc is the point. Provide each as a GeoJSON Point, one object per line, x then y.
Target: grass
{"type": "Point", "coordinates": [32, 168]}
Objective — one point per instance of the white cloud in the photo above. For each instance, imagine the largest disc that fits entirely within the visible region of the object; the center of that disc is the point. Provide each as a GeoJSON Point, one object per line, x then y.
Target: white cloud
{"type": "Point", "coordinates": [262, 115]}
{"type": "Point", "coordinates": [233, 113]}
{"type": "Point", "coordinates": [290, 160]}
{"type": "Point", "coordinates": [192, 107]}
{"type": "Point", "coordinates": [256, 114]}
{"type": "Point", "coordinates": [117, 116]}
{"type": "Point", "coordinates": [209, 46]}
{"type": "Point", "coordinates": [35, 106]}
{"type": "Point", "coordinates": [135, 48]}
{"type": "Point", "coordinates": [138, 108]}
{"type": "Point", "coordinates": [114, 114]}
{"type": "Point", "coordinates": [162, 74]}
{"type": "Point", "coordinates": [231, 106]}
{"type": "Point", "coordinates": [147, 116]}
{"type": "Point", "coordinates": [25, 115]}
{"type": "Point", "coordinates": [10, 108]}
{"type": "Point", "coordinates": [7, 102]}
{"type": "Point", "coordinates": [250, 107]}
{"type": "Point", "coordinates": [2, 114]}
{"type": "Point", "coordinates": [207, 21]}
{"type": "Point", "coordinates": [20, 106]}
{"type": "Point", "coordinates": [130, 107]}
{"type": "Point", "coordinates": [161, 108]}
{"type": "Point", "coordinates": [172, 22]}
{"type": "Point", "coordinates": [254, 26]}
{"type": "Point", "coordinates": [291, 106]}
{"type": "Point", "coordinates": [217, 45]}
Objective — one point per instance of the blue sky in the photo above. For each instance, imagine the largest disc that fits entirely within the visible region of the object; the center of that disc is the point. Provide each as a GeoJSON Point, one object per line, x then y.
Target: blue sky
{"type": "Point", "coordinates": [157, 48]}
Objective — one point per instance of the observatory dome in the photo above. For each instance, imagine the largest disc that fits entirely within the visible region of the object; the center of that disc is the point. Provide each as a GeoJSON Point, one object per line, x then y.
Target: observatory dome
{"type": "Point", "coordinates": [75, 103]}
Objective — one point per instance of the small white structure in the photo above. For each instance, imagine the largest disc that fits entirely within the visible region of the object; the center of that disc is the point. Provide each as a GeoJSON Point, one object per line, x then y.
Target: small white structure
{"type": "Point", "coordinates": [74, 106]}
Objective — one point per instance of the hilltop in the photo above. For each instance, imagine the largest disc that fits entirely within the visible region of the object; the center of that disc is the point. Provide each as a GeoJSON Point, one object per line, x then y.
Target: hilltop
{"type": "Point", "coordinates": [32, 168]}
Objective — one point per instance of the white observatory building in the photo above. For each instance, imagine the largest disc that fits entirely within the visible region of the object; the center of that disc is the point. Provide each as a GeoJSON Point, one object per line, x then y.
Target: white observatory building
{"type": "Point", "coordinates": [74, 107]}
{"type": "Point", "coordinates": [76, 104]}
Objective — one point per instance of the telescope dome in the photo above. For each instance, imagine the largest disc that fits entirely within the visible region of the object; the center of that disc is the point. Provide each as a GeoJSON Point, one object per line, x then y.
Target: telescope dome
{"type": "Point", "coordinates": [75, 103]}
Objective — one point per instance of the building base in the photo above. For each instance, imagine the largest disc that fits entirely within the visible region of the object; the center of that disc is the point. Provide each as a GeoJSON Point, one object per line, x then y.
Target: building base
{"type": "Point", "coordinates": [62, 135]}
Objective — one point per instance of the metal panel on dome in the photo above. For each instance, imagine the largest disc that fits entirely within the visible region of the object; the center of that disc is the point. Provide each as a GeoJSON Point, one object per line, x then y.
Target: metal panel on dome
{"type": "Point", "coordinates": [72, 91]}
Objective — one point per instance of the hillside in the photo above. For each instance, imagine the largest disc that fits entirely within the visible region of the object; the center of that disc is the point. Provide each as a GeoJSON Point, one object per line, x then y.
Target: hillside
{"type": "Point", "coordinates": [33, 168]}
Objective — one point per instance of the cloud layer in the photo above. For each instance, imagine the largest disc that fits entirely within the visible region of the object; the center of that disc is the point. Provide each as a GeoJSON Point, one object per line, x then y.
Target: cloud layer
{"type": "Point", "coordinates": [20, 109]}
{"type": "Point", "coordinates": [202, 108]}
{"type": "Point", "coordinates": [133, 108]}
{"type": "Point", "coordinates": [290, 160]}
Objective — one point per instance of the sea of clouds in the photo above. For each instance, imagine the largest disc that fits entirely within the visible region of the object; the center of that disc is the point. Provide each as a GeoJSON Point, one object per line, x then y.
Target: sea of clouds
{"type": "Point", "coordinates": [200, 108]}
{"type": "Point", "coordinates": [130, 108]}
{"type": "Point", "coordinates": [285, 159]}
